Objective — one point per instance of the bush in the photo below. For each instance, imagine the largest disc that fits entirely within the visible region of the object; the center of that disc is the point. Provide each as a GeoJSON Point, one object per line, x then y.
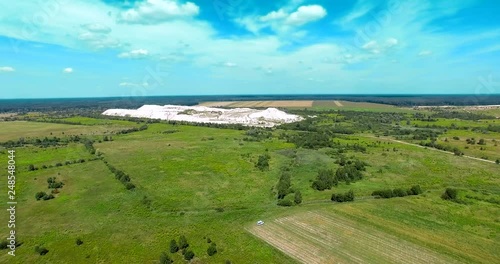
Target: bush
{"type": "Point", "coordinates": [40, 195]}
{"type": "Point", "coordinates": [285, 202]}
{"type": "Point", "coordinates": [383, 193]}
{"type": "Point", "coordinates": [165, 259]}
{"type": "Point", "coordinates": [41, 250]}
{"type": "Point", "coordinates": [79, 241]}
{"type": "Point", "coordinates": [129, 186]}
{"type": "Point", "coordinates": [324, 180]}
{"type": "Point", "coordinates": [297, 197]}
{"type": "Point", "coordinates": [398, 192]}
{"type": "Point", "coordinates": [212, 249]}
{"type": "Point", "coordinates": [174, 248]}
{"type": "Point", "coordinates": [3, 244]}
{"type": "Point", "coordinates": [450, 194]}
{"type": "Point", "coordinates": [183, 243]}
{"type": "Point", "coordinates": [263, 162]}
{"type": "Point", "coordinates": [415, 190]}
{"type": "Point", "coordinates": [346, 197]}
{"type": "Point", "coordinates": [48, 197]}
{"type": "Point", "coordinates": [189, 255]}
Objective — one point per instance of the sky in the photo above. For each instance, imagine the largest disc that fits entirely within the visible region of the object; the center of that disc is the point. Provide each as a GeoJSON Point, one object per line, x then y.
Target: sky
{"type": "Point", "coordinates": [100, 48]}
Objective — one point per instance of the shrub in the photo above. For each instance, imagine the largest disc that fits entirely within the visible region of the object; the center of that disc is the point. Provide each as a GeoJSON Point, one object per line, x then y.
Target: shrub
{"type": "Point", "coordinates": [398, 192]}
{"type": "Point", "coordinates": [189, 255]}
{"type": "Point", "coordinates": [297, 197]}
{"type": "Point", "coordinates": [449, 194]}
{"type": "Point", "coordinates": [40, 195]}
{"type": "Point", "coordinates": [346, 197]}
{"type": "Point", "coordinates": [48, 197]}
{"type": "Point", "coordinates": [263, 162]}
{"type": "Point", "coordinates": [41, 250]}
{"type": "Point", "coordinates": [3, 244]}
{"type": "Point", "coordinates": [174, 248]}
{"type": "Point", "coordinates": [212, 249]}
{"type": "Point", "coordinates": [285, 202]}
{"type": "Point", "coordinates": [129, 186]}
{"type": "Point", "coordinates": [183, 243]}
{"type": "Point", "coordinates": [165, 259]}
{"type": "Point", "coordinates": [383, 193]}
{"type": "Point", "coordinates": [415, 190]}
{"type": "Point", "coordinates": [324, 180]}
{"type": "Point", "coordinates": [79, 241]}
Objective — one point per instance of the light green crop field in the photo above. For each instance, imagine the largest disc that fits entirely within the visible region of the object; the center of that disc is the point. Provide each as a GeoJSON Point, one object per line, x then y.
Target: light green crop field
{"type": "Point", "coordinates": [202, 182]}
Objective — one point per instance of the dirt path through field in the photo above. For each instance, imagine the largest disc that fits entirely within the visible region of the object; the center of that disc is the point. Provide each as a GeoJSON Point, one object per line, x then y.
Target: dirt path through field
{"type": "Point", "coordinates": [338, 103]}
{"type": "Point", "coordinates": [433, 149]}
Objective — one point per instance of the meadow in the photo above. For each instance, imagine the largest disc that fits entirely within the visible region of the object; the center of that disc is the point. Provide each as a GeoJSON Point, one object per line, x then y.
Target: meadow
{"type": "Point", "coordinates": [203, 183]}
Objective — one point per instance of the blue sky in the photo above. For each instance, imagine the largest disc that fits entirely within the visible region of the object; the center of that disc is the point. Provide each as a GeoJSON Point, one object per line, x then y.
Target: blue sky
{"type": "Point", "coordinates": [90, 48]}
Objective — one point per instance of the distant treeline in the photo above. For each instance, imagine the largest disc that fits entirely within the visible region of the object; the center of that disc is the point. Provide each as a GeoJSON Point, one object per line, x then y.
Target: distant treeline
{"type": "Point", "coordinates": [25, 105]}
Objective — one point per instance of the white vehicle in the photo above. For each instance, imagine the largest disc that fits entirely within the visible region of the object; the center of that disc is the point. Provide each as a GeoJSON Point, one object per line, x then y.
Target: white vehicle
{"type": "Point", "coordinates": [260, 222]}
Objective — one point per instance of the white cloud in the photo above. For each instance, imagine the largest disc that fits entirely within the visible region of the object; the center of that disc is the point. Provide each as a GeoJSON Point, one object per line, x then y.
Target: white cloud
{"type": "Point", "coordinates": [157, 11]}
{"type": "Point", "coordinates": [282, 20]}
{"type": "Point", "coordinates": [230, 64]}
{"type": "Point", "coordinates": [68, 70]}
{"type": "Point", "coordinates": [274, 15]}
{"type": "Point", "coordinates": [7, 69]}
{"type": "Point", "coordinates": [306, 14]}
{"type": "Point", "coordinates": [97, 28]}
{"type": "Point", "coordinates": [134, 54]}
{"type": "Point", "coordinates": [425, 53]}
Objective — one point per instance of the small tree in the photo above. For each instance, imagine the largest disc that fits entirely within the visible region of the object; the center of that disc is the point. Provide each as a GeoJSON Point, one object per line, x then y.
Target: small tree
{"type": "Point", "coordinates": [189, 255]}
{"type": "Point", "coordinates": [416, 190]}
{"type": "Point", "coordinates": [165, 259]}
{"type": "Point", "coordinates": [298, 197]}
{"type": "Point", "coordinates": [449, 194]}
{"type": "Point", "coordinates": [40, 195]}
{"type": "Point", "coordinates": [183, 243]}
{"type": "Point", "coordinates": [79, 241]}
{"type": "Point", "coordinates": [212, 249]}
{"type": "Point", "coordinates": [41, 250]}
{"type": "Point", "coordinates": [31, 167]}
{"type": "Point", "coordinates": [497, 161]}
{"type": "Point", "coordinates": [173, 246]}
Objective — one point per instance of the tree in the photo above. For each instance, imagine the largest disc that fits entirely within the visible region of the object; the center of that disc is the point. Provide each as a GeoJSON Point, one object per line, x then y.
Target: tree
{"type": "Point", "coordinates": [399, 192]}
{"type": "Point", "coordinates": [31, 167]}
{"type": "Point", "coordinates": [497, 161]}
{"type": "Point", "coordinates": [449, 194]}
{"type": "Point", "coordinates": [165, 259]}
{"type": "Point", "coordinates": [79, 241]}
{"type": "Point", "coordinates": [173, 246]}
{"type": "Point", "coordinates": [285, 202]}
{"type": "Point", "coordinates": [416, 190]}
{"type": "Point", "coordinates": [183, 243]}
{"type": "Point", "coordinates": [129, 186]}
{"type": "Point", "coordinates": [41, 250]}
{"type": "Point", "coordinates": [40, 195]}
{"type": "Point", "coordinates": [298, 197]}
{"type": "Point", "coordinates": [263, 162]}
{"type": "Point", "coordinates": [189, 255]}
{"type": "Point", "coordinates": [212, 249]}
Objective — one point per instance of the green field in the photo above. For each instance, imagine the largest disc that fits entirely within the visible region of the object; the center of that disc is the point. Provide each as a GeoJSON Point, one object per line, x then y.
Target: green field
{"type": "Point", "coordinates": [202, 182]}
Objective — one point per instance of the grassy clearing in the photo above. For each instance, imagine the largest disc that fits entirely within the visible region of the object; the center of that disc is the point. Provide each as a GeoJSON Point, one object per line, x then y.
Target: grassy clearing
{"type": "Point", "coordinates": [202, 182]}
{"type": "Point", "coordinates": [18, 129]}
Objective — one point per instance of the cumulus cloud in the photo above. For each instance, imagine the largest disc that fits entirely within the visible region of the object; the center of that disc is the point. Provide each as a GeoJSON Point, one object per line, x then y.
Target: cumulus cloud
{"type": "Point", "coordinates": [68, 70]}
{"type": "Point", "coordinates": [134, 54]}
{"type": "Point", "coordinates": [158, 11]}
{"type": "Point", "coordinates": [306, 14]}
{"type": "Point", "coordinates": [7, 69]}
{"type": "Point", "coordinates": [283, 20]}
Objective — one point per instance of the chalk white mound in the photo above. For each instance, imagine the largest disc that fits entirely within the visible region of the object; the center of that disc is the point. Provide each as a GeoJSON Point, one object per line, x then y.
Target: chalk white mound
{"type": "Point", "coordinates": [202, 114]}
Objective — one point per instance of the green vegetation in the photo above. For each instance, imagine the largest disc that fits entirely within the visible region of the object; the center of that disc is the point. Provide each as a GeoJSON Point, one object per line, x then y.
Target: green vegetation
{"type": "Point", "coordinates": [159, 183]}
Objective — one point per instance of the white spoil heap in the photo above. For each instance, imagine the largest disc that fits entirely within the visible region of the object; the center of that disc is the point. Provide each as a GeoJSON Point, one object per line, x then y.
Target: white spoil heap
{"type": "Point", "coordinates": [202, 114]}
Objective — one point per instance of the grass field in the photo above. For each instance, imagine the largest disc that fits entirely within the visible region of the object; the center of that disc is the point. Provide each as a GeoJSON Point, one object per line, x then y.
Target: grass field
{"type": "Point", "coordinates": [284, 104]}
{"type": "Point", "coordinates": [21, 129]}
{"type": "Point", "coordinates": [202, 182]}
